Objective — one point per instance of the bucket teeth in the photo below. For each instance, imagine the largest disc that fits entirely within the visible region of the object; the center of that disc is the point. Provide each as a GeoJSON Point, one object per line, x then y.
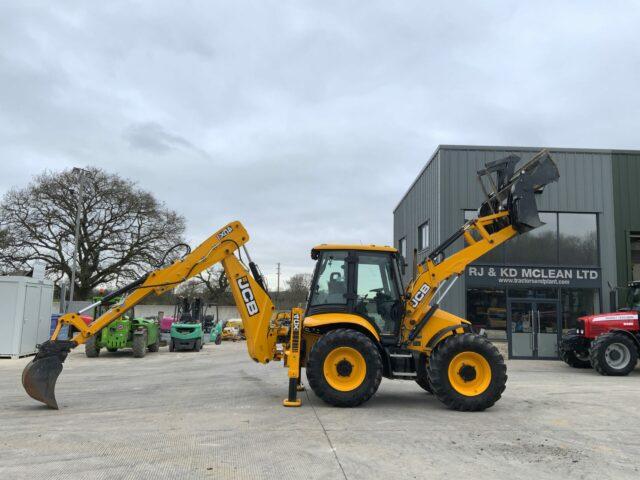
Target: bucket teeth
{"type": "Point", "coordinates": [40, 375]}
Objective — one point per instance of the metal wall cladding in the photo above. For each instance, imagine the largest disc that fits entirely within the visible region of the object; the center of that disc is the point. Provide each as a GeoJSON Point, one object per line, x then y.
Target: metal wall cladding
{"type": "Point", "coordinates": [585, 186]}
{"type": "Point", "coordinates": [419, 205]}
{"type": "Point", "coordinates": [626, 198]}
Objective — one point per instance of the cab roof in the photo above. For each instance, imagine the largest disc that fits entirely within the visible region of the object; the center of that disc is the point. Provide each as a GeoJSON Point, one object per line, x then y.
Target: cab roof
{"type": "Point", "coordinates": [343, 246]}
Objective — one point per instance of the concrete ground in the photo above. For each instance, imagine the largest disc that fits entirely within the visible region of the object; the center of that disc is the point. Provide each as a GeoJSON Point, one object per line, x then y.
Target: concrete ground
{"type": "Point", "coordinates": [216, 414]}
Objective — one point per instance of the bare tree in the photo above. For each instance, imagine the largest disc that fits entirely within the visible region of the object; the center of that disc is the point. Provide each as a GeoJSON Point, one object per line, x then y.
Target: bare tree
{"type": "Point", "coordinates": [124, 230]}
{"type": "Point", "coordinates": [300, 283]}
{"type": "Point", "coordinates": [215, 283]}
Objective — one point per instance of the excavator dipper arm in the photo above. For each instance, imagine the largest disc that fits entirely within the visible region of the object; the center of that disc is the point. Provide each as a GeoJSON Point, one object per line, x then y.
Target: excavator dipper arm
{"type": "Point", "coordinates": [40, 375]}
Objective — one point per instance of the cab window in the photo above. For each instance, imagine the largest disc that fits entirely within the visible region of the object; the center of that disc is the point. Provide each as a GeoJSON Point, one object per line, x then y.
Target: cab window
{"type": "Point", "coordinates": [377, 295]}
{"type": "Point", "coordinates": [331, 284]}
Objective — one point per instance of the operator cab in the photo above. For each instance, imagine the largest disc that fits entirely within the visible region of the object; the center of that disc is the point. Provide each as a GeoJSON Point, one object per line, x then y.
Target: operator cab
{"type": "Point", "coordinates": [633, 296]}
{"type": "Point", "coordinates": [360, 280]}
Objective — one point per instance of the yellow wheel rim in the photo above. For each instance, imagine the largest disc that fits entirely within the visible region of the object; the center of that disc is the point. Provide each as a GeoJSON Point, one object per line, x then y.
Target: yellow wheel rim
{"type": "Point", "coordinates": [469, 373]}
{"type": "Point", "coordinates": [344, 369]}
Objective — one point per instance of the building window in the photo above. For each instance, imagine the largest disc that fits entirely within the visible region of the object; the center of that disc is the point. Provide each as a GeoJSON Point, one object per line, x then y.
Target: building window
{"type": "Point", "coordinates": [487, 308]}
{"type": "Point", "coordinates": [634, 249]}
{"type": "Point", "coordinates": [578, 302]}
{"type": "Point", "coordinates": [535, 247]}
{"type": "Point", "coordinates": [423, 237]}
{"type": "Point", "coordinates": [578, 239]}
{"type": "Point", "coordinates": [402, 247]}
{"type": "Point", "coordinates": [564, 239]}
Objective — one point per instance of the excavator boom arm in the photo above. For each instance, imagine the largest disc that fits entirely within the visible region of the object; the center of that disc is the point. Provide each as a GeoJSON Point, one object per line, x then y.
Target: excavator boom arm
{"type": "Point", "coordinates": [253, 302]}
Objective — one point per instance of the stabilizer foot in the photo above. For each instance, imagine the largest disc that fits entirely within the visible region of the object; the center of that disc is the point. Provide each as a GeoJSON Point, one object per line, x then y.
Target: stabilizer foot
{"type": "Point", "coordinates": [291, 403]}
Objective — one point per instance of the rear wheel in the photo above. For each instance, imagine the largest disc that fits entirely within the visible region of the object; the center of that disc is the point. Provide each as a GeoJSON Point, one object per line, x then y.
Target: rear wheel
{"type": "Point", "coordinates": [422, 377]}
{"type": "Point", "coordinates": [614, 354]}
{"type": "Point", "coordinates": [344, 368]}
{"type": "Point", "coordinates": [575, 358]}
{"type": "Point", "coordinates": [91, 348]}
{"type": "Point", "coordinates": [172, 346]}
{"type": "Point", "coordinates": [467, 372]}
{"type": "Point", "coordinates": [155, 346]}
{"type": "Point", "coordinates": [140, 345]}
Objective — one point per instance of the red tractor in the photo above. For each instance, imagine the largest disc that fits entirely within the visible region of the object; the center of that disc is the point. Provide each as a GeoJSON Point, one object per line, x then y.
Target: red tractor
{"type": "Point", "coordinates": [608, 342]}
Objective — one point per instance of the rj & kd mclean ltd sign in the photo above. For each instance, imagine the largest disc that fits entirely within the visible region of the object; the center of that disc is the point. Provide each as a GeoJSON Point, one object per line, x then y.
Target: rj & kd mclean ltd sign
{"type": "Point", "coordinates": [488, 275]}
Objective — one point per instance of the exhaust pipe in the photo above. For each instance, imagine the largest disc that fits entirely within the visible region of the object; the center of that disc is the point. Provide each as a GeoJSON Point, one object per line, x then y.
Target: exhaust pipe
{"type": "Point", "coordinates": [514, 189]}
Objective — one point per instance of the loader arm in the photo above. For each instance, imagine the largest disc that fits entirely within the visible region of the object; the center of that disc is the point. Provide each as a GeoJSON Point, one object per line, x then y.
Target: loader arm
{"type": "Point", "coordinates": [253, 302]}
{"type": "Point", "coordinates": [509, 209]}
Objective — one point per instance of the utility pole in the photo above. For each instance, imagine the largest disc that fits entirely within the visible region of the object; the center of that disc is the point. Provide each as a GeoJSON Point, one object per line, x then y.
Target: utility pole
{"type": "Point", "coordinates": [81, 173]}
{"type": "Point", "coordinates": [278, 288]}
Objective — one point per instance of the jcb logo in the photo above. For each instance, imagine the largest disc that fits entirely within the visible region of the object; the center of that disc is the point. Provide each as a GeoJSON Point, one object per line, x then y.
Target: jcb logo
{"type": "Point", "coordinates": [296, 322]}
{"type": "Point", "coordinates": [224, 233]}
{"type": "Point", "coordinates": [417, 298]}
{"type": "Point", "coordinates": [247, 296]}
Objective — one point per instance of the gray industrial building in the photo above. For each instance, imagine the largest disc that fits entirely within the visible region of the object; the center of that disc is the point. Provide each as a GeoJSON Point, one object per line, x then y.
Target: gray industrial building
{"type": "Point", "coordinates": [530, 289]}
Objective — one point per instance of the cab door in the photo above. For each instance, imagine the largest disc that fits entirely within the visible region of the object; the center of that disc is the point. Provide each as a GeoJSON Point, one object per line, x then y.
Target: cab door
{"type": "Point", "coordinates": [377, 292]}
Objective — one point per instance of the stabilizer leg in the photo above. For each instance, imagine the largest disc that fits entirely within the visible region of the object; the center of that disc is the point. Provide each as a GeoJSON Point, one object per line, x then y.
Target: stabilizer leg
{"type": "Point", "coordinates": [293, 359]}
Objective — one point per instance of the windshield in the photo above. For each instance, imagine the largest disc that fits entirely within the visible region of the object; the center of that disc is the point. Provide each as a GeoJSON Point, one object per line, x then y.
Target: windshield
{"type": "Point", "coordinates": [633, 298]}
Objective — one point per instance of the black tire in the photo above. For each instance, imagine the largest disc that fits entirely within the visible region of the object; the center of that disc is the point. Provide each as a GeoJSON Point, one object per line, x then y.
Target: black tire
{"type": "Point", "coordinates": [91, 348]}
{"type": "Point", "coordinates": [198, 345]}
{"type": "Point", "coordinates": [368, 351]}
{"type": "Point", "coordinates": [155, 346]}
{"type": "Point", "coordinates": [604, 351]}
{"type": "Point", "coordinates": [218, 340]}
{"type": "Point", "coordinates": [140, 345]}
{"type": "Point", "coordinates": [172, 346]}
{"type": "Point", "coordinates": [422, 378]}
{"type": "Point", "coordinates": [438, 369]}
{"type": "Point", "coordinates": [575, 359]}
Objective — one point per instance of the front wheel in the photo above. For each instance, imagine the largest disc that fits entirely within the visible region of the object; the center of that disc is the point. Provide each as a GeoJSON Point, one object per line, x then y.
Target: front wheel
{"type": "Point", "coordinates": [198, 345]}
{"type": "Point", "coordinates": [344, 368]}
{"type": "Point", "coordinates": [140, 345]}
{"type": "Point", "coordinates": [467, 372]}
{"type": "Point", "coordinates": [614, 354]}
{"type": "Point", "coordinates": [575, 358]}
{"type": "Point", "coordinates": [91, 347]}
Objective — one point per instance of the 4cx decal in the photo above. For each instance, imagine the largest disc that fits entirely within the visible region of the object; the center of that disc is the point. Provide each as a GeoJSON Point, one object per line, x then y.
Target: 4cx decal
{"type": "Point", "coordinates": [224, 233]}
{"type": "Point", "coordinates": [247, 296]}
{"type": "Point", "coordinates": [420, 294]}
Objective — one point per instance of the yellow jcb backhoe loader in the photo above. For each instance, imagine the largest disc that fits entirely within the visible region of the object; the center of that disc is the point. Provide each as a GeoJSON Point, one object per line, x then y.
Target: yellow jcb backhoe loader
{"type": "Point", "coordinates": [360, 324]}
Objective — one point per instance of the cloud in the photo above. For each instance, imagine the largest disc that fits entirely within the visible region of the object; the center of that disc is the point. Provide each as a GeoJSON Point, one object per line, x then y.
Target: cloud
{"type": "Point", "coordinates": [307, 121]}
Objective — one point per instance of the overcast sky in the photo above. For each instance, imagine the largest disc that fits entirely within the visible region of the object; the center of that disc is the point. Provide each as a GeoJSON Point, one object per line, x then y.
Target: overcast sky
{"type": "Point", "coordinates": [306, 121]}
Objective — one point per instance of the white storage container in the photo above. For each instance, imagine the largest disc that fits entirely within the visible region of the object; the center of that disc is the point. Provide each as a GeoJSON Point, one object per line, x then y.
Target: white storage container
{"type": "Point", "coordinates": [25, 314]}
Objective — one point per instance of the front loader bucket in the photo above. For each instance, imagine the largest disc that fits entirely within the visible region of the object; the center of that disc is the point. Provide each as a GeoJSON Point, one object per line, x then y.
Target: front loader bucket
{"type": "Point", "coordinates": [516, 188]}
{"type": "Point", "coordinates": [40, 375]}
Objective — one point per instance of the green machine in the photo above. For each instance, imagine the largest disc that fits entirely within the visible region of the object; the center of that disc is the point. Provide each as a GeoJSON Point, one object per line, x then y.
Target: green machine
{"type": "Point", "coordinates": [216, 332]}
{"type": "Point", "coordinates": [187, 333]}
{"type": "Point", "coordinates": [127, 331]}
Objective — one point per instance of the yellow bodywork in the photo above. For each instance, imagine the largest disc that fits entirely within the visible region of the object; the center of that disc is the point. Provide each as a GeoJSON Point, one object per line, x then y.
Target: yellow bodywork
{"type": "Point", "coordinates": [336, 319]}
{"type": "Point", "coordinates": [263, 328]}
{"type": "Point", "coordinates": [430, 275]}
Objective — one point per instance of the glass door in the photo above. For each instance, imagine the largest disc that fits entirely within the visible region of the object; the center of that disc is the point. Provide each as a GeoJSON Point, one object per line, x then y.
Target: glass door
{"type": "Point", "coordinates": [521, 316]}
{"type": "Point", "coordinates": [533, 329]}
{"type": "Point", "coordinates": [546, 333]}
